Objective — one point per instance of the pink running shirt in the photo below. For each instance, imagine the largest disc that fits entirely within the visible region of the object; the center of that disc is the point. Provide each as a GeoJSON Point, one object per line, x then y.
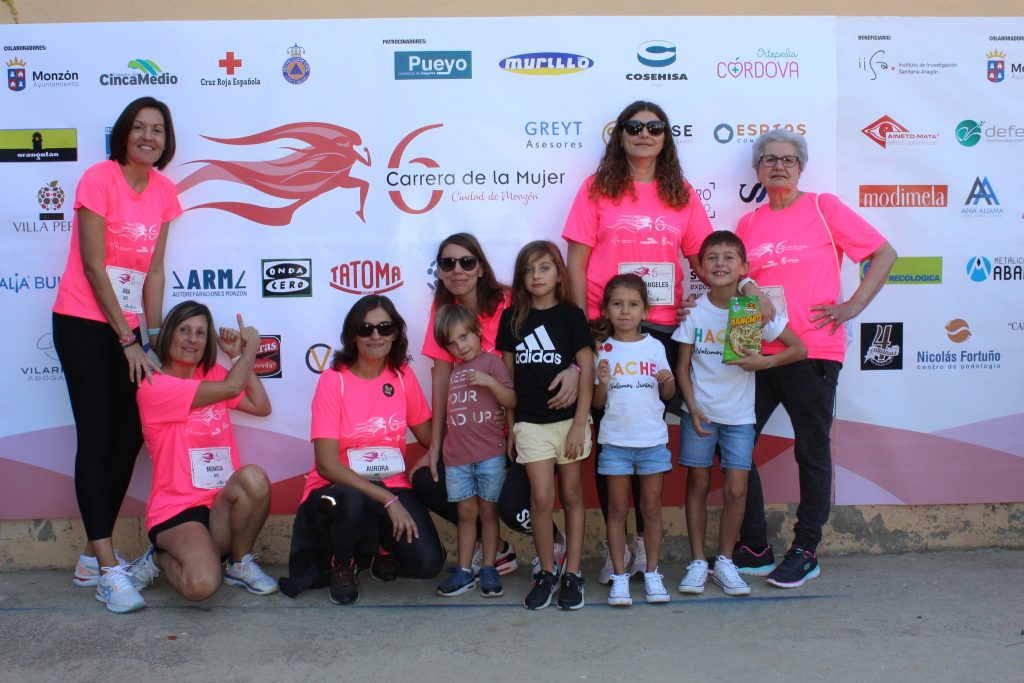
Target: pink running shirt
{"type": "Point", "coordinates": [172, 429]}
{"type": "Point", "coordinates": [373, 412]}
{"type": "Point", "coordinates": [641, 236]}
{"type": "Point", "coordinates": [791, 248]}
{"type": "Point", "coordinates": [133, 221]}
{"type": "Point", "coordinates": [488, 330]}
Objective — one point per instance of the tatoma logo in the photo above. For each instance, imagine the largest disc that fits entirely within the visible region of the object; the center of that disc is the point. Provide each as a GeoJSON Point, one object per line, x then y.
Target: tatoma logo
{"type": "Point", "coordinates": [431, 65]}
{"type": "Point", "coordinates": [40, 144]}
{"type": "Point", "coordinates": [900, 196]}
{"type": "Point", "coordinates": [296, 69]}
{"type": "Point", "coordinates": [765, 64]}
{"type": "Point", "coordinates": [981, 191]}
{"type": "Point", "coordinates": [149, 74]}
{"type": "Point", "coordinates": [268, 359]}
{"type": "Point", "coordinates": [208, 282]}
{"type": "Point", "coordinates": [325, 163]}
{"type": "Point", "coordinates": [887, 132]}
{"type": "Point", "coordinates": [881, 346]}
{"type": "Point", "coordinates": [366, 277]}
{"type": "Point", "coordinates": [287, 277]}
{"type": "Point", "coordinates": [911, 270]}
{"type": "Point", "coordinates": [1005, 268]}
{"type": "Point", "coordinates": [546, 64]}
{"type": "Point", "coordinates": [656, 54]}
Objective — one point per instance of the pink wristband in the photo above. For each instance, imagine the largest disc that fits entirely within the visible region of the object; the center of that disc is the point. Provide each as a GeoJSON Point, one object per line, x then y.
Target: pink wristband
{"type": "Point", "coordinates": [390, 502]}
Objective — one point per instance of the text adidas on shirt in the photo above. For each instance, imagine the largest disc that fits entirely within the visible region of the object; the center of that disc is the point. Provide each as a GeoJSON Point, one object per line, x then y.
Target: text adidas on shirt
{"type": "Point", "coordinates": [537, 347]}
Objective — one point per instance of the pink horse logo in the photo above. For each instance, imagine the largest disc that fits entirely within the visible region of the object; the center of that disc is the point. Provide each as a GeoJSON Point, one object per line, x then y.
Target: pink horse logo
{"type": "Point", "coordinates": [308, 172]}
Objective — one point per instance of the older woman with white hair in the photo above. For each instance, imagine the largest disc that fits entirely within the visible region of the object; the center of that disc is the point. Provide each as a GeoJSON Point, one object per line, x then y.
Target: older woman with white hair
{"type": "Point", "coordinates": [818, 229]}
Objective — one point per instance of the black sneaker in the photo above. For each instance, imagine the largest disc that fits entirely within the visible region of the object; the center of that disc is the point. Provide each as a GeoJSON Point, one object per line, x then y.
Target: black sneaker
{"type": "Point", "coordinates": [539, 596]}
{"type": "Point", "coordinates": [753, 563]}
{"type": "Point", "coordinates": [798, 566]}
{"type": "Point", "coordinates": [344, 584]}
{"type": "Point", "coordinates": [384, 568]}
{"type": "Point", "coordinates": [571, 595]}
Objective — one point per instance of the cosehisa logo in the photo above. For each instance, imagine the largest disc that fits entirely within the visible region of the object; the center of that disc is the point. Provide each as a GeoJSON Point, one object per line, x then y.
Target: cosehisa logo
{"type": "Point", "coordinates": [748, 132]}
{"type": "Point", "coordinates": [765, 63]}
{"type": "Point", "coordinates": [911, 270]}
{"type": "Point", "coordinates": [887, 132]}
{"type": "Point", "coordinates": [40, 144]}
{"type": "Point", "coordinates": [981, 191]}
{"type": "Point", "coordinates": [433, 65]}
{"type": "Point", "coordinates": [881, 346]}
{"type": "Point", "coordinates": [149, 73]}
{"type": "Point", "coordinates": [208, 282]}
{"type": "Point", "coordinates": [656, 54]}
{"type": "Point", "coordinates": [958, 330]}
{"type": "Point", "coordinates": [999, 269]}
{"type": "Point", "coordinates": [287, 277]}
{"type": "Point", "coordinates": [308, 172]}
{"type": "Point", "coordinates": [318, 357]}
{"type": "Point", "coordinates": [268, 358]}
{"type": "Point", "coordinates": [903, 196]}
{"type": "Point", "coordinates": [296, 69]}
{"type": "Point", "coordinates": [546, 64]}
{"type": "Point", "coordinates": [366, 277]}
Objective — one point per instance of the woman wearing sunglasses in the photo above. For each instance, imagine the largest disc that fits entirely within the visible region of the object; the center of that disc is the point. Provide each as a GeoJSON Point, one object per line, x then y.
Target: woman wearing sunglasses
{"type": "Point", "coordinates": [358, 490]}
{"type": "Point", "coordinates": [636, 214]}
{"type": "Point", "coordinates": [466, 277]}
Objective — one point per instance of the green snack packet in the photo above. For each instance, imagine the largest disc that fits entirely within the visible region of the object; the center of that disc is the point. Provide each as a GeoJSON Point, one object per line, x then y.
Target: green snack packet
{"type": "Point", "coordinates": [743, 329]}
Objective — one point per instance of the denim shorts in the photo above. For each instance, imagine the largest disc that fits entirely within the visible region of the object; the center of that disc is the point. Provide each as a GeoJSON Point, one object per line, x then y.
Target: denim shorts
{"type": "Point", "coordinates": [484, 479]}
{"type": "Point", "coordinates": [627, 460]}
{"type": "Point", "coordinates": [736, 443]}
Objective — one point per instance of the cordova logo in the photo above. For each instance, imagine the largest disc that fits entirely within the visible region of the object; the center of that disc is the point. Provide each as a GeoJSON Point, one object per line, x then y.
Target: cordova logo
{"type": "Point", "coordinates": [268, 358]}
{"type": "Point", "coordinates": [149, 73]}
{"type": "Point", "coordinates": [886, 132]}
{"type": "Point", "coordinates": [911, 270]}
{"type": "Point", "coordinates": [981, 191]}
{"type": "Point", "coordinates": [296, 69]}
{"type": "Point", "coordinates": [432, 65]}
{"type": "Point", "coordinates": [748, 132]}
{"type": "Point", "coordinates": [208, 282]}
{"type": "Point", "coordinates": [318, 357]}
{"type": "Point", "coordinates": [537, 347]}
{"type": "Point", "coordinates": [366, 277]}
{"type": "Point", "coordinates": [765, 64]}
{"type": "Point", "coordinates": [881, 346]}
{"type": "Point", "coordinates": [683, 133]}
{"type": "Point", "coordinates": [656, 54]}
{"type": "Point", "coordinates": [999, 268]}
{"type": "Point", "coordinates": [553, 134]}
{"type": "Point", "coordinates": [287, 277]}
{"type": "Point", "coordinates": [900, 196]}
{"type": "Point", "coordinates": [546, 64]}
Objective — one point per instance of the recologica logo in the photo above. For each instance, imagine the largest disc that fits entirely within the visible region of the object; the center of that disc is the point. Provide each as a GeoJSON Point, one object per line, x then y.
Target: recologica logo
{"type": "Point", "coordinates": [911, 270]}
{"type": "Point", "coordinates": [146, 72]}
{"type": "Point", "coordinates": [546, 64]}
{"type": "Point", "coordinates": [968, 132]}
{"type": "Point", "coordinates": [429, 65]}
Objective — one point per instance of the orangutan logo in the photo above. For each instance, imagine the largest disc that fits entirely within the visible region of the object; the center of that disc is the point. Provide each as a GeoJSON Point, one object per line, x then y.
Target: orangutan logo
{"type": "Point", "coordinates": [308, 172]}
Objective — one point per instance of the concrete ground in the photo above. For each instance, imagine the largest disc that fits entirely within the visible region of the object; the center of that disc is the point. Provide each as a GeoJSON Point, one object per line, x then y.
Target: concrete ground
{"type": "Point", "coordinates": [941, 616]}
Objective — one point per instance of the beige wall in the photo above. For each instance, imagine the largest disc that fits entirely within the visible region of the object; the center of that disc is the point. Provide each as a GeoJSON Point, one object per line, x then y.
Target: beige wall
{"type": "Point", "coordinates": [48, 11]}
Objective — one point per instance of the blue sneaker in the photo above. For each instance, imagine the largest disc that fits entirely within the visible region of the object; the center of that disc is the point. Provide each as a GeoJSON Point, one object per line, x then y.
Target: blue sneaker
{"type": "Point", "coordinates": [490, 583]}
{"type": "Point", "coordinates": [797, 567]}
{"type": "Point", "coordinates": [458, 582]}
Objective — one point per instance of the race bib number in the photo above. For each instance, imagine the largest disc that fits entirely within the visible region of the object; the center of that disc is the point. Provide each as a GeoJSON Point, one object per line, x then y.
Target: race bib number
{"type": "Point", "coordinates": [376, 464]}
{"type": "Point", "coordinates": [127, 286]}
{"type": "Point", "coordinates": [211, 467]}
{"type": "Point", "coordinates": [660, 279]}
{"type": "Point", "coordinates": [778, 297]}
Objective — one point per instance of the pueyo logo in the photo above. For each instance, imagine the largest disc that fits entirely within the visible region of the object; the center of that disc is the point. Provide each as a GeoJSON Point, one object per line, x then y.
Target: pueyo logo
{"type": "Point", "coordinates": [433, 65]}
{"type": "Point", "coordinates": [546, 64]}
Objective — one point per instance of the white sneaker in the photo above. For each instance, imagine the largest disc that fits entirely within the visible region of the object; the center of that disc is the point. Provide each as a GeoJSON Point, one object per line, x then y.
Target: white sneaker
{"type": "Point", "coordinates": [619, 594]}
{"type": "Point", "coordinates": [115, 589]}
{"type": "Point", "coordinates": [247, 574]}
{"type": "Point", "coordinates": [605, 575]}
{"type": "Point", "coordinates": [654, 587]}
{"type": "Point", "coordinates": [639, 565]}
{"type": "Point", "coordinates": [144, 571]}
{"type": "Point", "coordinates": [696, 577]}
{"type": "Point", "coordinates": [728, 577]}
{"type": "Point", "coordinates": [87, 571]}
{"type": "Point", "coordinates": [559, 551]}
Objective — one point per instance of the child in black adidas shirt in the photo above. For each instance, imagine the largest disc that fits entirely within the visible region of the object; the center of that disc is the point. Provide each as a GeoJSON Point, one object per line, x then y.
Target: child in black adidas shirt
{"type": "Point", "coordinates": [539, 336]}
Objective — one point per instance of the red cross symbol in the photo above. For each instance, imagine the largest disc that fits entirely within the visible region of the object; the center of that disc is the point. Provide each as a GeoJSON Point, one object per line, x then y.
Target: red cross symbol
{"type": "Point", "coordinates": [230, 63]}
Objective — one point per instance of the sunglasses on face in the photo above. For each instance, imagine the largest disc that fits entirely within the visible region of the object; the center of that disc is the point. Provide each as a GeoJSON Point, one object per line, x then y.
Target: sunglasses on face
{"type": "Point", "coordinates": [654, 128]}
{"type": "Point", "coordinates": [384, 329]}
{"type": "Point", "coordinates": [467, 263]}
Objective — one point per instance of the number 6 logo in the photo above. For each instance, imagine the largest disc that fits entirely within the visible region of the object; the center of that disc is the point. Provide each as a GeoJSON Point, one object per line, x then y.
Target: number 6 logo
{"type": "Point", "coordinates": [396, 161]}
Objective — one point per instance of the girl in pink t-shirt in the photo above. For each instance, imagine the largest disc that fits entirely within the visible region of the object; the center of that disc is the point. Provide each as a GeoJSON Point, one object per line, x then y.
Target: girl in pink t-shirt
{"type": "Point", "coordinates": [114, 272]}
{"type": "Point", "coordinates": [203, 505]}
{"type": "Point", "coordinates": [358, 491]}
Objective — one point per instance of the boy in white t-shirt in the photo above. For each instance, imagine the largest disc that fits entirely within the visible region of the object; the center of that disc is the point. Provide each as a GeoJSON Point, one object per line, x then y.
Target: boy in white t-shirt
{"type": "Point", "coordinates": [719, 407]}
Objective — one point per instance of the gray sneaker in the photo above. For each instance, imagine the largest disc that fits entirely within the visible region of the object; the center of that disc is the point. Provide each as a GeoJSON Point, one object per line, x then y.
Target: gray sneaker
{"type": "Point", "coordinates": [144, 571]}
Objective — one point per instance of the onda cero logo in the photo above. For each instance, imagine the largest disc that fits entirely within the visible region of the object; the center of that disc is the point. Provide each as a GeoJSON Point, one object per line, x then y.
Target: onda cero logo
{"type": "Point", "coordinates": [287, 277]}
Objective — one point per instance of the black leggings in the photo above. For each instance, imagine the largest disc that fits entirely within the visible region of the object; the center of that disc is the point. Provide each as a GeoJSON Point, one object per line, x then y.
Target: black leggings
{"type": "Point", "coordinates": [513, 503]}
{"type": "Point", "coordinates": [106, 418]}
{"type": "Point", "coordinates": [356, 516]}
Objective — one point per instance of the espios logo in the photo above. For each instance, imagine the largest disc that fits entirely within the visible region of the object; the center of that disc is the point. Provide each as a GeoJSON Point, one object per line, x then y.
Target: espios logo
{"type": "Point", "coordinates": [546, 64]}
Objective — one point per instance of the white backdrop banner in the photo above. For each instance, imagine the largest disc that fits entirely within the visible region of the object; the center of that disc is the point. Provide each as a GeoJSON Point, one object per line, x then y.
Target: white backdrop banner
{"type": "Point", "coordinates": [322, 160]}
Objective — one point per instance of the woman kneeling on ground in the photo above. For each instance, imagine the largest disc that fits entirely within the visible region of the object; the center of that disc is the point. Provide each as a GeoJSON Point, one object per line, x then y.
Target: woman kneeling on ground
{"type": "Point", "coordinates": [204, 507]}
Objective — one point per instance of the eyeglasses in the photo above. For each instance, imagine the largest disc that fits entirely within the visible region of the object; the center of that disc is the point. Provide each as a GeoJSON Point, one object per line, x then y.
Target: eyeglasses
{"type": "Point", "coordinates": [384, 329]}
{"type": "Point", "coordinates": [468, 263]}
{"type": "Point", "coordinates": [654, 128]}
{"type": "Point", "coordinates": [770, 160]}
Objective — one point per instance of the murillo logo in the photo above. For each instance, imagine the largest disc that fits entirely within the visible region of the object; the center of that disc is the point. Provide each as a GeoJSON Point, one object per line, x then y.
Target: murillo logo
{"type": "Point", "coordinates": [433, 65]}
{"type": "Point", "coordinates": [881, 346]}
{"type": "Point", "coordinates": [268, 358]}
{"type": "Point", "coordinates": [287, 277]}
{"type": "Point", "coordinates": [318, 357]}
{"type": "Point", "coordinates": [958, 330]}
{"type": "Point", "coordinates": [898, 196]}
{"type": "Point", "coordinates": [366, 277]}
{"type": "Point", "coordinates": [325, 163]}
{"type": "Point", "coordinates": [546, 64]}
